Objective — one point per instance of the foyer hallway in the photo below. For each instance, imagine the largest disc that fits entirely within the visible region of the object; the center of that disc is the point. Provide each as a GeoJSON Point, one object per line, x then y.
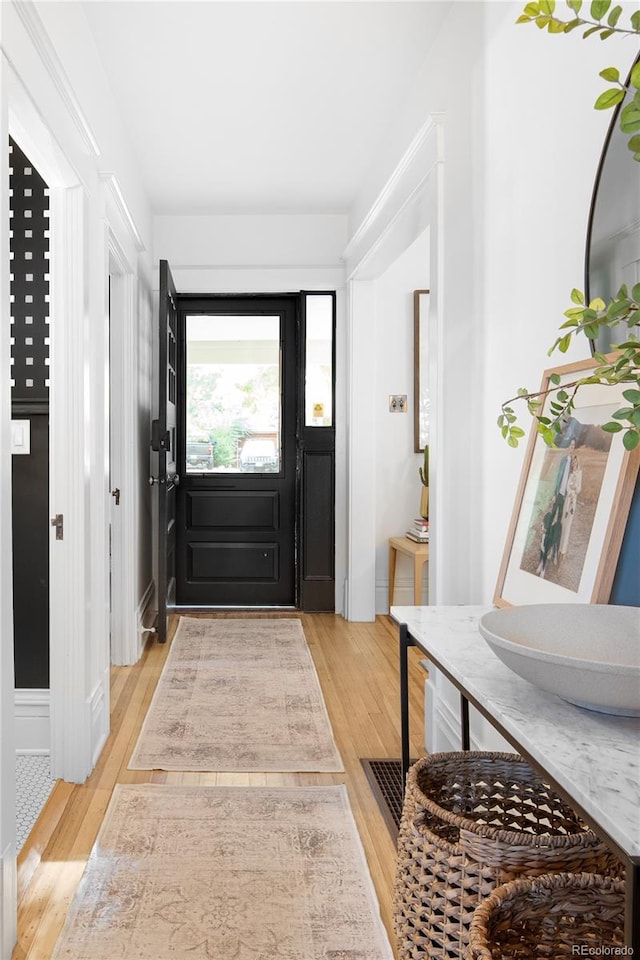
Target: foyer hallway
{"type": "Point", "coordinates": [357, 664]}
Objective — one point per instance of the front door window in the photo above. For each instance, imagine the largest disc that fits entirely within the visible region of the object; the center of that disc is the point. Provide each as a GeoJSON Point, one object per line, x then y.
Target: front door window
{"type": "Point", "coordinates": [233, 394]}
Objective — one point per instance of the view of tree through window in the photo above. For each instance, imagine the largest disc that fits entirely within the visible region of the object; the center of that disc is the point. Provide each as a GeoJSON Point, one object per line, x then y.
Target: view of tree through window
{"type": "Point", "coordinates": [233, 394]}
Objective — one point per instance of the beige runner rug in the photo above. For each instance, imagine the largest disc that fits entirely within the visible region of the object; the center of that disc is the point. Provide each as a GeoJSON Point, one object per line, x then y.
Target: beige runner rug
{"type": "Point", "coordinates": [227, 873]}
{"type": "Point", "coordinates": [238, 695]}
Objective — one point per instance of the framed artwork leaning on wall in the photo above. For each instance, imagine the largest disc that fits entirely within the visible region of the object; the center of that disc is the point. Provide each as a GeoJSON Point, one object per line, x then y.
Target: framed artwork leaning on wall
{"type": "Point", "coordinates": [572, 502]}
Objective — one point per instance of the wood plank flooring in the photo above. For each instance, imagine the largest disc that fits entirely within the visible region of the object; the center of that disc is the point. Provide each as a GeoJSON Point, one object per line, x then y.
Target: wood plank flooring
{"type": "Point", "coordinates": [357, 664]}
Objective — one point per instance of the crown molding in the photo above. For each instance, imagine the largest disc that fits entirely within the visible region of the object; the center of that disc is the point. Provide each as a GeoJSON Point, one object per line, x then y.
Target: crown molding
{"type": "Point", "coordinates": [110, 181]}
{"type": "Point", "coordinates": [423, 153]}
{"type": "Point", "coordinates": [38, 35]}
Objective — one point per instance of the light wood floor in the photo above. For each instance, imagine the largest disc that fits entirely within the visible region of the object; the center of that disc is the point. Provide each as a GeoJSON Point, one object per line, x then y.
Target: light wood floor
{"type": "Point", "coordinates": [357, 664]}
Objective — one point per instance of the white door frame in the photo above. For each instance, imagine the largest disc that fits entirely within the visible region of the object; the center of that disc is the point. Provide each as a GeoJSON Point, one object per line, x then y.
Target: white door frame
{"type": "Point", "coordinates": [78, 597]}
{"type": "Point", "coordinates": [125, 632]}
{"type": "Point", "coordinates": [8, 871]}
{"type": "Point", "coordinates": [69, 585]}
{"type": "Point", "coordinates": [21, 119]}
{"type": "Point", "coordinates": [409, 203]}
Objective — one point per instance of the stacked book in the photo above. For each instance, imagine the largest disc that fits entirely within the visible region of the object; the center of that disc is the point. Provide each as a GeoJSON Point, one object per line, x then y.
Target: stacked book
{"type": "Point", "coordinates": [419, 530]}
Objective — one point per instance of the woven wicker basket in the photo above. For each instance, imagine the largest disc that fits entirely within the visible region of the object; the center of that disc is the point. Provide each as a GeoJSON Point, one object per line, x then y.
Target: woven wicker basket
{"type": "Point", "coordinates": [555, 915]}
{"type": "Point", "coordinates": [471, 822]}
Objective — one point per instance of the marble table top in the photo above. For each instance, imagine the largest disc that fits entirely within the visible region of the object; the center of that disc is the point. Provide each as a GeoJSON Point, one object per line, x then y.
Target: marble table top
{"type": "Point", "coordinates": [593, 757]}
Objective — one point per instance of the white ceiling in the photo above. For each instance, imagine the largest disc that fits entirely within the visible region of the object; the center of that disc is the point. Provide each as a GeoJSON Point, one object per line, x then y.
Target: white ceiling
{"type": "Point", "coordinates": [272, 106]}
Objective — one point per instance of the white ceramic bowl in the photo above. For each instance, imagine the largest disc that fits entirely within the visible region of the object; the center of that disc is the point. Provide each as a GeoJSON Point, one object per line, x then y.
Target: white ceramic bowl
{"type": "Point", "coordinates": [588, 654]}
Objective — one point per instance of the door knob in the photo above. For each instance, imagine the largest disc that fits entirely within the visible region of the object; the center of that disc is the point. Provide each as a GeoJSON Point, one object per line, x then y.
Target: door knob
{"type": "Point", "coordinates": [116, 495]}
{"type": "Point", "coordinates": [174, 479]}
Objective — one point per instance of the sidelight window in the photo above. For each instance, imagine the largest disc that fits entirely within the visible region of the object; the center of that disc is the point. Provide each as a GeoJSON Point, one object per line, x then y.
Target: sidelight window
{"type": "Point", "coordinates": [318, 404]}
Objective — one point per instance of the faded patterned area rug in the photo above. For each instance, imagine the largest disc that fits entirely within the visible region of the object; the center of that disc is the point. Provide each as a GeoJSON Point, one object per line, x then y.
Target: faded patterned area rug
{"type": "Point", "coordinates": [226, 873]}
{"type": "Point", "coordinates": [238, 695]}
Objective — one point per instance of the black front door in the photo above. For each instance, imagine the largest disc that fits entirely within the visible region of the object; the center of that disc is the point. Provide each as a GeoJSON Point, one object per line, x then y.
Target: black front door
{"type": "Point", "coordinates": [236, 502]}
{"type": "Point", "coordinates": [163, 442]}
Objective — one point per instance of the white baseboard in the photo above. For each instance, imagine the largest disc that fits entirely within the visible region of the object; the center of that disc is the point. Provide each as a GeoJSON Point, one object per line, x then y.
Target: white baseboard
{"type": "Point", "coordinates": [32, 721]}
{"type": "Point", "coordinates": [402, 594]}
{"type": "Point", "coordinates": [8, 902]}
{"type": "Point", "coordinates": [99, 717]}
{"type": "Point", "coordinates": [145, 615]}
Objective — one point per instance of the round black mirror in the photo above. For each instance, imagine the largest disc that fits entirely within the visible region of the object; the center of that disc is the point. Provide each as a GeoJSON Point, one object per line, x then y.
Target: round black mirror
{"type": "Point", "coordinates": [613, 233]}
{"type": "Point", "coordinates": [613, 258]}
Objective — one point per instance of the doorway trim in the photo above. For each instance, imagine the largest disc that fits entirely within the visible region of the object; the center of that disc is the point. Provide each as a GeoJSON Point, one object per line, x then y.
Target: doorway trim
{"type": "Point", "coordinates": [120, 311]}
{"type": "Point", "coordinates": [410, 202]}
{"type": "Point", "coordinates": [79, 717]}
{"type": "Point", "coordinates": [260, 538]}
{"type": "Point", "coordinates": [8, 871]}
{"type": "Point", "coordinates": [69, 583]}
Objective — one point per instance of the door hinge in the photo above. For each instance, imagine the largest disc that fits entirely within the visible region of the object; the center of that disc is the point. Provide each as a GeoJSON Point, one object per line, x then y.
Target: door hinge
{"type": "Point", "coordinates": [58, 523]}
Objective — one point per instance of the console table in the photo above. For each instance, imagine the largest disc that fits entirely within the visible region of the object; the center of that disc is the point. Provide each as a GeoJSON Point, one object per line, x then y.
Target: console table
{"type": "Point", "coordinates": [591, 759]}
{"type": "Point", "coordinates": [419, 552]}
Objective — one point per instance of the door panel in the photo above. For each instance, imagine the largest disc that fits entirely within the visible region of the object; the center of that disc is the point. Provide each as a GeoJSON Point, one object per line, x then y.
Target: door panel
{"type": "Point", "coordinates": [236, 529]}
{"type": "Point", "coordinates": [244, 562]}
{"type": "Point", "coordinates": [233, 508]}
{"type": "Point", "coordinates": [163, 442]}
{"type": "Point", "coordinates": [318, 538]}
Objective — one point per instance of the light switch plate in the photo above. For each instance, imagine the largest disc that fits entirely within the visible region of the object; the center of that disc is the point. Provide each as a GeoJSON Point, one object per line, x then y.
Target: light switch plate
{"type": "Point", "coordinates": [21, 436]}
{"type": "Point", "coordinates": [398, 403]}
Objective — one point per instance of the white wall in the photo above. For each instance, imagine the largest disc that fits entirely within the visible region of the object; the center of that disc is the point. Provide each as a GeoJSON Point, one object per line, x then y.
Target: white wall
{"type": "Point", "coordinates": [397, 481]}
{"type": "Point", "coordinates": [72, 40]}
{"type": "Point", "coordinates": [541, 146]}
{"type": "Point", "coordinates": [252, 253]}
{"type": "Point", "coordinates": [450, 91]}
{"type": "Point", "coordinates": [521, 145]}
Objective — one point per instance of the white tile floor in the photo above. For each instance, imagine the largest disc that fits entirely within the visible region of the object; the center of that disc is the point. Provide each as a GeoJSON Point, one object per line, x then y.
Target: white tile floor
{"type": "Point", "coordinates": [33, 786]}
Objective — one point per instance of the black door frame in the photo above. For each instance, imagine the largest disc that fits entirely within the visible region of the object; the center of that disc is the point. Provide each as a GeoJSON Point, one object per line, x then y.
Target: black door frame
{"type": "Point", "coordinates": [288, 306]}
{"type": "Point", "coordinates": [317, 481]}
{"type": "Point", "coordinates": [314, 493]}
{"type": "Point", "coordinates": [163, 442]}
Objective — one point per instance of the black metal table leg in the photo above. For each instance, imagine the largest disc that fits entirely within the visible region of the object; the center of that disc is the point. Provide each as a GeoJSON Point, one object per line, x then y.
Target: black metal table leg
{"type": "Point", "coordinates": [464, 722]}
{"type": "Point", "coordinates": [632, 908]}
{"type": "Point", "coordinates": [405, 643]}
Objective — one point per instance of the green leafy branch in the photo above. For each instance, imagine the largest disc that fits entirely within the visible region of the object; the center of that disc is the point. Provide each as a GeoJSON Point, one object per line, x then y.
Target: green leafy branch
{"type": "Point", "coordinates": [552, 407]}
{"type": "Point", "coordinates": [542, 13]}
{"type": "Point", "coordinates": [619, 368]}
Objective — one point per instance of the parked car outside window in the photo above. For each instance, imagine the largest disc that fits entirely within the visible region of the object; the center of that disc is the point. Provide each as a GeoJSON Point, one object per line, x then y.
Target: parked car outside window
{"type": "Point", "coordinates": [259, 455]}
{"type": "Point", "coordinates": [200, 454]}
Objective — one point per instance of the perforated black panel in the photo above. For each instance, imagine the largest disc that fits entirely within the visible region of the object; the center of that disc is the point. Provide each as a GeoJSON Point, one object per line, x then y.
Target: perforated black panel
{"type": "Point", "coordinates": [29, 288]}
{"type": "Point", "coordinates": [29, 279]}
